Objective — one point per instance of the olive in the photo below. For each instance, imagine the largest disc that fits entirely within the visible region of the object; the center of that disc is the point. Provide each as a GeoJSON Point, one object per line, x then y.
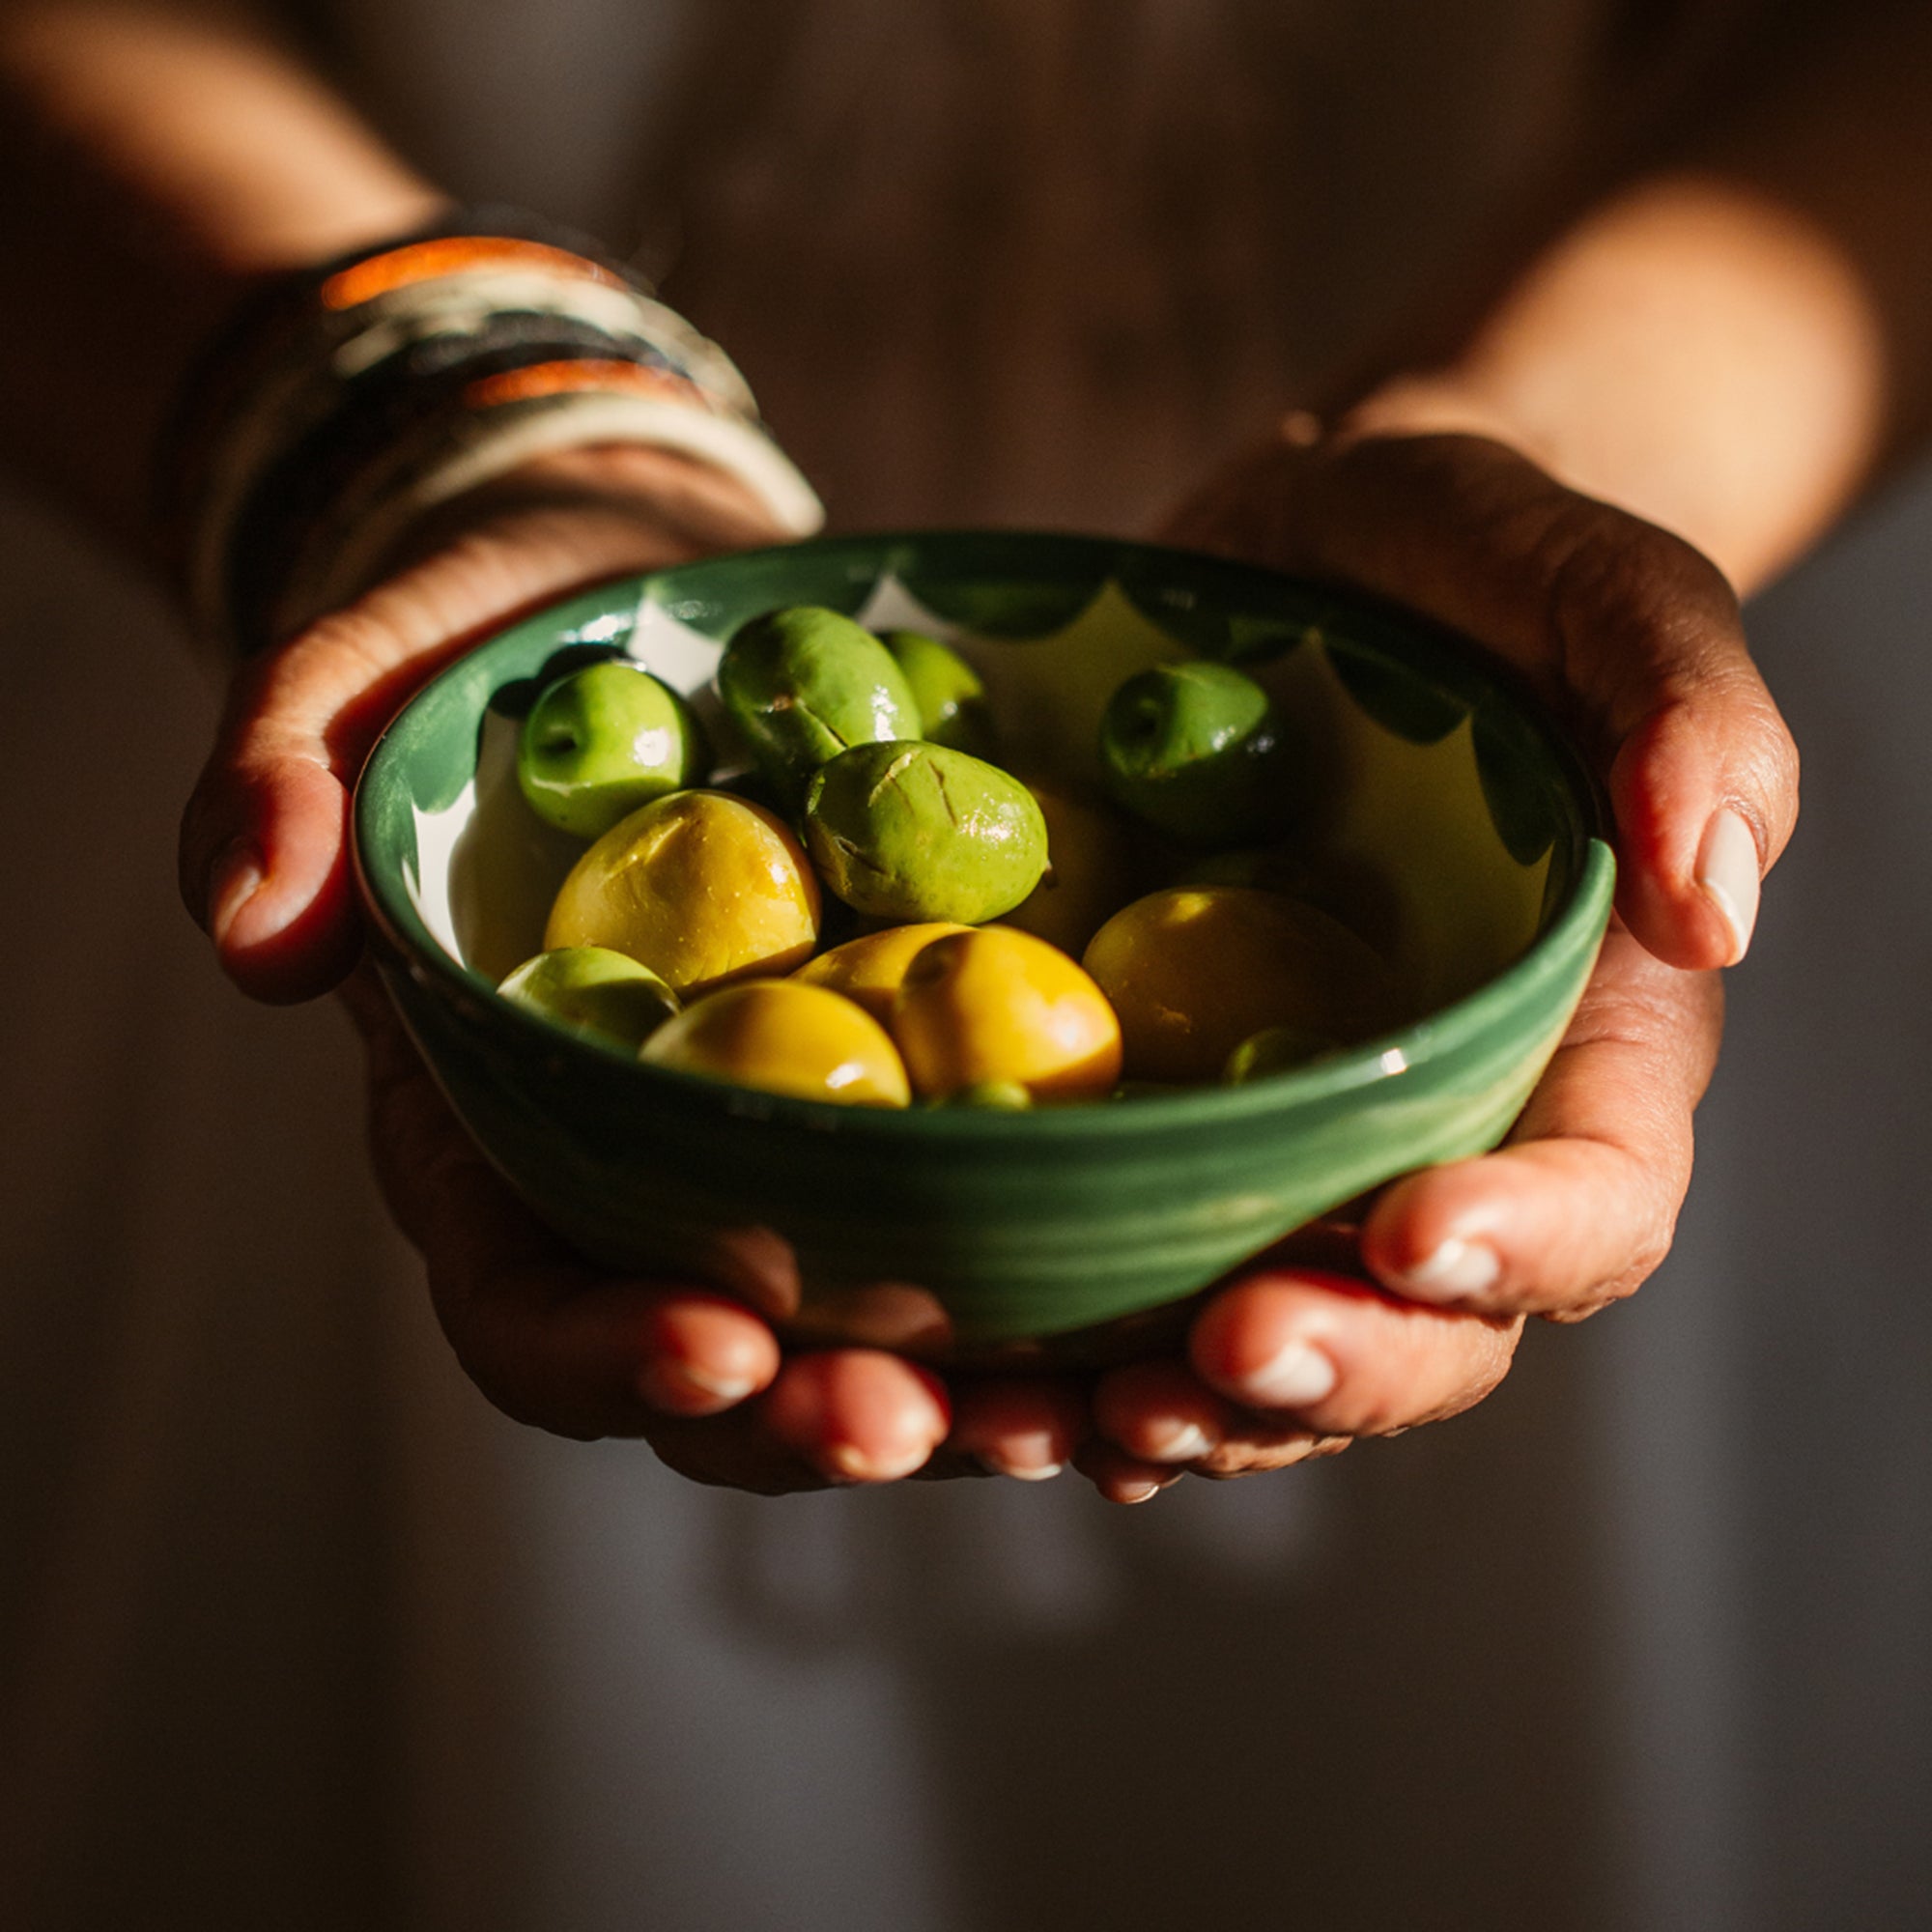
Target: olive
{"type": "Point", "coordinates": [991, 1096]}
{"type": "Point", "coordinates": [783, 1037]}
{"type": "Point", "coordinates": [595, 991]}
{"type": "Point", "coordinates": [868, 969]}
{"type": "Point", "coordinates": [951, 695]}
{"type": "Point", "coordinates": [1276, 1049]}
{"type": "Point", "coordinates": [997, 1006]}
{"type": "Point", "coordinates": [700, 886]}
{"type": "Point", "coordinates": [1193, 973]}
{"type": "Point", "coordinates": [804, 685]}
{"type": "Point", "coordinates": [1089, 877]}
{"type": "Point", "coordinates": [911, 830]}
{"type": "Point", "coordinates": [1198, 749]}
{"type": "Point", "coordinates": [1355, 890]}
{"type": "Point", "coordinates": [603, 741]}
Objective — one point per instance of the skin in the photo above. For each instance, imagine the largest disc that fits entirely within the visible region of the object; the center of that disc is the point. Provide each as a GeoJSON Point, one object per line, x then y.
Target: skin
{"type": "Point", "coordinates": [1674, 394]}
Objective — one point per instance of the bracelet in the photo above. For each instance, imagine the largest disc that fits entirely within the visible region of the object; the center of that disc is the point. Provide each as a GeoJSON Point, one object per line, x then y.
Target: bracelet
{"type": "Point", "coordinates": [345, 401]}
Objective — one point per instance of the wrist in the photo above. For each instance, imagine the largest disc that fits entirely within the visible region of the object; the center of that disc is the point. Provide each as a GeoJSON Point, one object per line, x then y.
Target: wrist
{"type": "Point", "coordinates": [1694, 352]}
{"type": "Point", "coordinates": [362, 405]}
{"type": "Point", "coordinates": [601, 510]}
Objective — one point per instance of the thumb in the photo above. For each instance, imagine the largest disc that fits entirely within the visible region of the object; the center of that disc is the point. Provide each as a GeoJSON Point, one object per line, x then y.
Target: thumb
{"type": "Point", "coordinates": [264, 853]}
{"type": "Point", "coordinates": [1633, 637]}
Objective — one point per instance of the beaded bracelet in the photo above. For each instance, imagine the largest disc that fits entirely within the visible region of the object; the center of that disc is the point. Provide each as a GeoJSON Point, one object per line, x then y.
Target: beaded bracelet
{"type": "Point", "coordinates": [347, 400]}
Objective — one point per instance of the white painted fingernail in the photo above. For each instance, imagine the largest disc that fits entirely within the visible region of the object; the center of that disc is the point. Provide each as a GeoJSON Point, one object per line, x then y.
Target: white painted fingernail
{"type": "Point", "coordinates": [1727, 875]}
{"type": "Point", "coordinates": [1022, 1472]}
{"type": "Point", "coordinates": [1298, 1375]}
{"type": "Point", "coordinates": [1457, 1271]}
{"type": "Point", "coordinates": [727, 1389]}
{"type": "Point", "coordinates": [1183, 1443]}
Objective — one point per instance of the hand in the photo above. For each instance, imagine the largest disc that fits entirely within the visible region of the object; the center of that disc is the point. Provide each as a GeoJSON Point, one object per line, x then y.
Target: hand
{"type": "Point", "coordinates": [1634, 640]}
{"type": "Point", "coordinates": [693, 1371]}
{"type": "Point", "coordinates": [265, 868]}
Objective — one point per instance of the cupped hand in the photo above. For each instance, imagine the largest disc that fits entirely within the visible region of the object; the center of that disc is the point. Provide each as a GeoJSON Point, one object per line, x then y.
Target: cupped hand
{"type": "Point", "coordinates": [553, 1342]}
{"type": "Point", "coordinates": [265, 868]}
{"type": "Point", "coordinates": [1634, 640]}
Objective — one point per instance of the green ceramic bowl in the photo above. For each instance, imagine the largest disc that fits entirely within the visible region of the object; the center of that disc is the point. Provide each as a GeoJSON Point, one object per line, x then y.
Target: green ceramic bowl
{"type": "Point", "coordinates": [991, 1232]}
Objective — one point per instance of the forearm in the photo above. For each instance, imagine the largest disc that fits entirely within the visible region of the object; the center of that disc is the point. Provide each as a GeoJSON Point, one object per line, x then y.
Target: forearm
{"type": "Point", "coordinates": [1737, 340]}
{"type": "Point", "coordinates": [155, 156]}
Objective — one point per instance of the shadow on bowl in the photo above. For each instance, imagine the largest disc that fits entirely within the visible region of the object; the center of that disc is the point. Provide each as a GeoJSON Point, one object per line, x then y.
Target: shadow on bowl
{"type": "Point", "coordinates": [1464, 828]}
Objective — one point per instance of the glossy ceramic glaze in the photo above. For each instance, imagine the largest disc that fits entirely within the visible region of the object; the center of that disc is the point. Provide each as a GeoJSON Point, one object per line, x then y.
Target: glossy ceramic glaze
{"type": "Point", "coordinates": [944, 1229]}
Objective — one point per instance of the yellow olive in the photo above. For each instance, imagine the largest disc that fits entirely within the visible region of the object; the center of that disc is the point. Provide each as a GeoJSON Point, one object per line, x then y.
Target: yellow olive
{"type": "Point", "coordinates": [870, 969]}
{"type": "Point", "coordinates": [784, 1039]}
{"type": "Point", "coordinates": [1192, 973]}
{"type": "Point", "coordinates": [995, 1004]}
{"type": "Point", "coordinates": [1353, 889]}
{"type": "Point", "coordinates": [1088, 876]}
{"type": "Point", "coordinates": [700, 886]}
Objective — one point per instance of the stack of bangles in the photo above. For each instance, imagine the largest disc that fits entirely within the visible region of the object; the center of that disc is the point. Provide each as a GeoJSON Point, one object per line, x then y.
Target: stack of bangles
{"type": "Point", "coordinates": [348, 400]}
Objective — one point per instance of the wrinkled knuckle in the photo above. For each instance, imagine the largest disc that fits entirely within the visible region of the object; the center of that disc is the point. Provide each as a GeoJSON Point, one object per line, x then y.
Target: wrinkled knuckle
{"type": "Point", "coordinates": [353, 636]}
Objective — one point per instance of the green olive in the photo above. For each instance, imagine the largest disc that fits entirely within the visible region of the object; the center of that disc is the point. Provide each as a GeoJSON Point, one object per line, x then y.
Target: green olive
{"type": "Point", "coordinates": [911, 830]}
{"type": "Point", "coordinates": [804, 685]}
{"type": "Point", "coordinates": [595, 991]}
{"type": "Point", "coordinates": [998, 1096]}
{"type": "Point", "coordinates": [604, 741]}
{"type": "Point", "coordinates": [1198, 749]}
{"type": "Point", "coordinates": [952, 699]}
{"type": "Point", "coordinates": [1277, 1049]}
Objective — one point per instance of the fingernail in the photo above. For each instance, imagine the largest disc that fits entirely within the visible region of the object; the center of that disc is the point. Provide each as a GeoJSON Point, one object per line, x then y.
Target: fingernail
{"type": "Point", "coordinates": [1298, 1375]}
{"type": "Point", "coordinates": [1727, 875]}
{"type": "Point", "coordinates": [1456, 1271]}
{"type": "Point", "coordinates": [854, 1466]}
{"type": "Point", "coordinates": [725, 1388]}
{"type": "Point", "coordinates": [849, 1462]}
{"type": "Point", "coordinates": [681, 1389]}
{"type": "Point", "coordinates": [1180, 1442]}
{"type": "Point", "coordinates": [1136, 1492]}
{"type": "Point", "coordinates": [234, 879]}
{"type": "Point", "coordinates": [1021, 1472]}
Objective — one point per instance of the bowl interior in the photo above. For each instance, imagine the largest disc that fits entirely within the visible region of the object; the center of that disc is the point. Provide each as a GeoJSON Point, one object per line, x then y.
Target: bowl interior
{"type": "Point", "coordinates": [1464, 817]}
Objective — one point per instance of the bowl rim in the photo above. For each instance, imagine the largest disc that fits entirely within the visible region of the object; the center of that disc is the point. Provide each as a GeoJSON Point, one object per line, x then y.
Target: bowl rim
{"type": "Point", "coordinates": [1434, 1035]}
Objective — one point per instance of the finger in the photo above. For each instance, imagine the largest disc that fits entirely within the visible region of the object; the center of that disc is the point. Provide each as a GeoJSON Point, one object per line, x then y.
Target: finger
{"type": "Point", "coordinates": [1258, 1445]}
{"type": "Point", "coordinates": [858, 1415]}
{"type": "Point", "coordinates": [1582, 1204]}
{"type": "Point", "coordinates": [1160, 1412]}
{"type": "Point", "coordinates": [264, 843]}
{"type": "Point", "coordinates": [1122, 1478]}
{"type": "Point", "coordinates": [1024, 1428]}
{"type": "Point", "coordinates": [1341, 1358]}
{"type": "Point", "coordinates": [553, 1344]}
{"type": "Point", "coordinates": [1630, 633]}
{"type": "Point", "coordinates": [702, 1353]}
{"type": "Point", "coordinates": [548, 1339]}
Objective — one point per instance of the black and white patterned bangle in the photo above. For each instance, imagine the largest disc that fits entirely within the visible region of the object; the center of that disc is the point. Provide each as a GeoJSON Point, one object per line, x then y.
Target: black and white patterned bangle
{"type": "Point", "coordinates": [348, 401]}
